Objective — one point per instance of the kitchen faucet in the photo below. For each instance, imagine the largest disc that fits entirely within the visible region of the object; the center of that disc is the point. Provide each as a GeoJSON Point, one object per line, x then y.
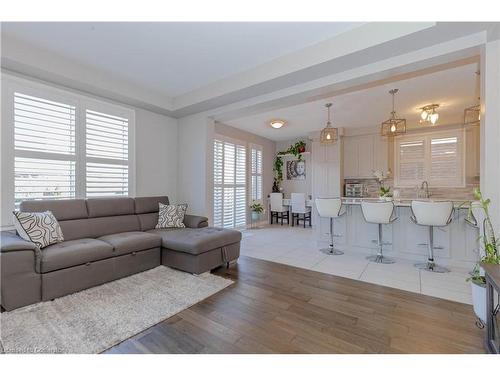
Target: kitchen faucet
{"type": "Point", "coordinates": [427, 195]}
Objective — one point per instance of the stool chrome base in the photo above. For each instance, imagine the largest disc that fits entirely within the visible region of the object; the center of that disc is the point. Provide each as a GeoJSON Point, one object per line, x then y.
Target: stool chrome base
{"type": "Point", "coordinates": [431, 267]}
{"type": "Point", "coordinates": [331, 251]}
{"type": "Point", "coordinates": [379, 258]}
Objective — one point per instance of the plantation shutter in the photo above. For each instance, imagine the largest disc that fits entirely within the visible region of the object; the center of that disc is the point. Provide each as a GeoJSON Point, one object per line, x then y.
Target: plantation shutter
{"type": "Point", "coordinates": [106, 154]}
{"type": "Point", "coordinates": [229, 184]}
{"type": "Point", "coordinates": [411, 162]}
{"type": "Point", "coordinates": [256, 174]}
{"type": "Point", "coordinates": [446, 162]}
{"type": "Point", "coordinates": [44, 148]}
{"type": "Point", "coordinates": [435, 157]}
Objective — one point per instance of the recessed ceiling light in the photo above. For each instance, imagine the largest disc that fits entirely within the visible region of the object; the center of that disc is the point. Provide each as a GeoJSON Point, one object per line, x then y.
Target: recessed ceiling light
{"type": "Point", "coordinates": [276, 124]}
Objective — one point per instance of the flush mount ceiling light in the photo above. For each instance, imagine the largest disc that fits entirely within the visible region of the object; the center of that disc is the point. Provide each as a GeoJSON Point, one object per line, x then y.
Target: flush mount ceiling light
{"type": "Point", "coordinates": [393, 126]}
{"type": "Point", "coordinates": [429, 114]}
{"type": "Point", "coordinates": [329, 134]}
{"type": "Point", "coordinates": [277, 124]}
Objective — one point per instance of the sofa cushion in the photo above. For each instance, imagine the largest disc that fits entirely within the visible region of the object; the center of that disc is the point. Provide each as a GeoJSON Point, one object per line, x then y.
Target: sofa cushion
{"type": "Point", "coordinates": [146, 205]}
{"type": "Point", "coordinates": [100, 207]}
{"type": "Point", "coordinates": [171, 216]}
{"type": "Point", "coordinates": [197, 240]}
{"type": "Point", "coordinates": [128, 242]}
{"type": "Point", "coordinates": [63, 209]}
{"type": "Point", "coordinates": [41, 228]}
{"type": "Point", "coordinates": [73, 253]}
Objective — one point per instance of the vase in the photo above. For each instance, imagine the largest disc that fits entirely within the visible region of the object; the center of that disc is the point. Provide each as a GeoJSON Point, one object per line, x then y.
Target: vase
{"type": "Point", "coordinates": [255, 216]}
{"type": "Point", "coordinates": [479, 300]}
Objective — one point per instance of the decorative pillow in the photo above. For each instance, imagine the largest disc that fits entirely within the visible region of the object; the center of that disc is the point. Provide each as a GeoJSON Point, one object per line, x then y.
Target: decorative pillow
{"type": "Point", "coordinates": [41, 228]}
{"type": "Point", "coordinates": [171, 216]}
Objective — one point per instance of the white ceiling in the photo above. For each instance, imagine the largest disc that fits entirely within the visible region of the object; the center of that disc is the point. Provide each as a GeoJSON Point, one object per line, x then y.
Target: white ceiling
{"type": "Point", "coordinates": [454, 89]}
{"type": "Point", "coordinates": [173, 58]}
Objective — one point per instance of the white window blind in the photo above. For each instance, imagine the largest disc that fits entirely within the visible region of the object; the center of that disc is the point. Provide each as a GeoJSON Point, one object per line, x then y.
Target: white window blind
{"type": "Point", "coordinates": [106, 154]}
{"type": "Point", "coordinates": [256, 174]}
{"type": "Point", "coordinates": [435, 157]}
{"type": "Point", "coordinates": [229, 184]}
{"type": "Point", "coordinates": [44, 148]}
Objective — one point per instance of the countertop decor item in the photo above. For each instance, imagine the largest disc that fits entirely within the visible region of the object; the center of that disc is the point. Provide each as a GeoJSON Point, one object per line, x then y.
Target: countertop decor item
{"type": "Point", "coordinates": [394, 125]}
{"type": "Point", "coordinates": [329, 134]}
{"type": "Point", "coordinates": [384, 191]}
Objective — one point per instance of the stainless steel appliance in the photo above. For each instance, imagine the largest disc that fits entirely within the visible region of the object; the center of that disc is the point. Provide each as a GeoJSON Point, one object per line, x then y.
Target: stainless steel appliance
{"type": "Point", "coordinates": [354, 190]}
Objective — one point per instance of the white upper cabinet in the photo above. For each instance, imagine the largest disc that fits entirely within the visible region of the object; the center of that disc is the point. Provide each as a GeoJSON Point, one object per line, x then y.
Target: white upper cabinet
{"type": "Point", "coordinates": [363, 154]}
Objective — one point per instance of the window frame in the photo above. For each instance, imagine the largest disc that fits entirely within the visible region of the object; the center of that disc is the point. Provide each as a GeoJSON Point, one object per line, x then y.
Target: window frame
{"type": "Point", "coordinates": [427, 137]}
{"type": "Point", "coordinates": [12, 84]}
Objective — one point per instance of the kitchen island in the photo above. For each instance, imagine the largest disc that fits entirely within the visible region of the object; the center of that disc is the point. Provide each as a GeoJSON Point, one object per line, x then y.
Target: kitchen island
{"type": "Point", "coordinates": [457, 243]}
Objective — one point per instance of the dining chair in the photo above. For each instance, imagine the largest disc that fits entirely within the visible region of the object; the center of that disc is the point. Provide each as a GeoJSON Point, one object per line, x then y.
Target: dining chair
{"type": "Point", "coordinates": [298, 203]}
{"type": "Point", "coordinates": [278, 210]}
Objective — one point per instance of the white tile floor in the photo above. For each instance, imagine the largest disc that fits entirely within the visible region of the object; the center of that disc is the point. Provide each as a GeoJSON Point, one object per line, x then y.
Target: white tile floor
{"type": "Point", "coordinates": [299, 247]}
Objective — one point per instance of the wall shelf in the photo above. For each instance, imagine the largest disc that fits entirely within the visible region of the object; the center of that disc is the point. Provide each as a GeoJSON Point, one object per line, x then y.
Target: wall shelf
{"type": "Point", "coordinates": [288, 155]}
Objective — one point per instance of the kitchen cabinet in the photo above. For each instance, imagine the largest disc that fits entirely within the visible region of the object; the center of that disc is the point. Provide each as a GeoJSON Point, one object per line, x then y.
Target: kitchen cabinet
{"type": "Point", "coordinates": [363, 154]}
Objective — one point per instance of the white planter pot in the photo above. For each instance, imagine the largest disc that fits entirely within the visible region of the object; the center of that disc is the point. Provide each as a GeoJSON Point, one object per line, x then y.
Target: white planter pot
{"type": "Point", "coordinates": [255, 216]}
{"type": "Point", "coordinates": [479, 300]}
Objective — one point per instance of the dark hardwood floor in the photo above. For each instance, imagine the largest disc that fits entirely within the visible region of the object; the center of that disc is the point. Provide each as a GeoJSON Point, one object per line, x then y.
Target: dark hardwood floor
{"type": "Point", "coordinates": [274, 308]}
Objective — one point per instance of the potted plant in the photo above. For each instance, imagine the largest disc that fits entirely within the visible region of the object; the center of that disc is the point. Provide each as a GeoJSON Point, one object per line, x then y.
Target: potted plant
{"type": "Point", "coordinates": [491, 254]}
{"type": "Point", "coordinates": [257, 209]}
{"type": "Point", "coordinates": [384, 192]}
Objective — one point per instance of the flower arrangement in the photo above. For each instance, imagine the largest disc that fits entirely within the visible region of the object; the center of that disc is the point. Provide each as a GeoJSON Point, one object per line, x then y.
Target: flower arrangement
{"type": "Point", "coordinates": [384, 192]}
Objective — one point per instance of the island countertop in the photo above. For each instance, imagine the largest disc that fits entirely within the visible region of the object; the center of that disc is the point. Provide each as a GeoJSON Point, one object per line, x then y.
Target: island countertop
{"type": "Point", "coordinates": [406, 202]}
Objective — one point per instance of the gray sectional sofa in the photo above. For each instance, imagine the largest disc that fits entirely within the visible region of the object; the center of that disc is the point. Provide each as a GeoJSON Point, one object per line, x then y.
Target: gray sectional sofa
{"type": "Point", "coordinates": [106, 239]}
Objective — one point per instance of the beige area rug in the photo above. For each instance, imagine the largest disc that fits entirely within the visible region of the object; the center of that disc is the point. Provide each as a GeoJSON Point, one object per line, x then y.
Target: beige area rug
{"type": "Point", "coordinates": [96, 319]}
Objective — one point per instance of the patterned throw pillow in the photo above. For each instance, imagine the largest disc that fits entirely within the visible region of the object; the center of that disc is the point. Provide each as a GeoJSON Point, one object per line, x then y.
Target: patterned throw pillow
{"type": "Point", "coordinates": [41, 228]}
{"type": "Point", "coordinates": [171, 216]}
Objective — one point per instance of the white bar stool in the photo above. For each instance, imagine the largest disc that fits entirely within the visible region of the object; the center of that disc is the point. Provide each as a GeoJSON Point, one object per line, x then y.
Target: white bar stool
{"type": "Point", "coordinates": [379, 213]}
{"type": "Point", "coordinates": [330, 208]}
{"type": "Point", "coordinates": [431, 214]}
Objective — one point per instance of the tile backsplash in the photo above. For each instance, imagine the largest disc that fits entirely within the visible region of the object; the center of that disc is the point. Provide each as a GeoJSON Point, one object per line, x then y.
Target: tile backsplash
{"type": "Point", "coordinates": [465, 193]}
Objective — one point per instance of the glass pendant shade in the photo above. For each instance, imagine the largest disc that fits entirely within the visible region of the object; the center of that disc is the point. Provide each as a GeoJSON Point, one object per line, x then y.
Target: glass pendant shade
{"type": "Point", "coordinates": [434, 117]}
{"type": "Point", "coordinates": [329, 134]}
{"type": "Point", "coordinates": [394, 126]}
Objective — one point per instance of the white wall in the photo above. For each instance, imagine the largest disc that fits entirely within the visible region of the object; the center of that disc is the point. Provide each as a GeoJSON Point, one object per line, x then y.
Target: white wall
{"type": "Point", "coordinates": [156, 154]}
{"type": "Point", "coordinates": [194, 158]}
{"type": "Point", "coordinates": [490, 127]}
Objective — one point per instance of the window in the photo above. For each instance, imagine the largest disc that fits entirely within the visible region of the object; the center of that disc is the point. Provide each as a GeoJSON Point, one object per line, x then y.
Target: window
{"type": "Point", "coordinates": [229, 183]}
{"type": "Point", "coordinates": [256, 174]}
{"type": "Point", "coordinates": [436, 157]}
{"type": "Point", "coordinates": [44, 149]}
{"type": "Point", "coordinates": [64, 145]}
{"type": "Point", "coordinates": [106, 154]}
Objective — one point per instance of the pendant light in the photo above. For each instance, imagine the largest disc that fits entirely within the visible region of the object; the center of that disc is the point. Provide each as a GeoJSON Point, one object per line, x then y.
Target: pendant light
{"type": "Point", "coordinates": [394, 125]}
{"type": "Point", "coordinates": [329, 134]}
{"type": "Point", "coordinates": [472, 115]}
